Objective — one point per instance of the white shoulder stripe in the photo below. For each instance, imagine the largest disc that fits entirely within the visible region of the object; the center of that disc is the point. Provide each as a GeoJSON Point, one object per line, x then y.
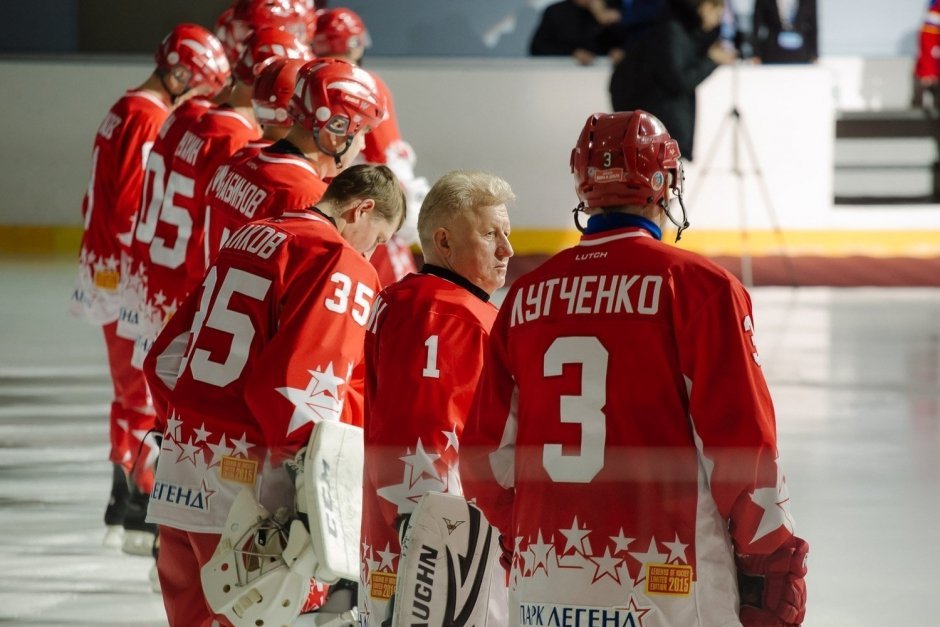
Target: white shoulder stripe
{"type": "Point", "coordinates": [294, 161]}
{"type": "Point", "coordinates": [151, 97]}
{"type": "Point", "coordinates": [306, 215]}
{"type": "Point", "coordinates": [231, 114]}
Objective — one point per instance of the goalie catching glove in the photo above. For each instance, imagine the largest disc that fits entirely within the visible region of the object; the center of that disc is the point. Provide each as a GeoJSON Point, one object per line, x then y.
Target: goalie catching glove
{"type": "Point", "coordinates": [772, 587]}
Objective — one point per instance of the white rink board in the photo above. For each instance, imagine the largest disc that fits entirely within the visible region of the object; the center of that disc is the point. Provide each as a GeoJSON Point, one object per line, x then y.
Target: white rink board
{"type": "Point", "coordinates": [518, 118]}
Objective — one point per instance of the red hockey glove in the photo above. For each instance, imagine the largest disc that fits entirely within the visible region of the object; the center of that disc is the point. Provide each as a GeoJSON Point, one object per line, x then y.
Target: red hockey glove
{"type": "Point", "coordinates": [772, 587]}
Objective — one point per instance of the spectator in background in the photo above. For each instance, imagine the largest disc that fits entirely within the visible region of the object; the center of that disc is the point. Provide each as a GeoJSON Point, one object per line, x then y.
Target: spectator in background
{"type": "Point", "coordinates": [578, 28]}
{"type": "Point", "coordinates": [927, 68]}
{"type": "Point", "coordinates": [666, 61]}
{"type": "Point", "coordinates": [785, 31]}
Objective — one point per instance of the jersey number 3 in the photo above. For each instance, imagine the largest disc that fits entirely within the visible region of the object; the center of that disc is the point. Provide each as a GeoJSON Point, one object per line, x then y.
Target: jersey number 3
{"type": "Point", "coordinates": [585, 409]}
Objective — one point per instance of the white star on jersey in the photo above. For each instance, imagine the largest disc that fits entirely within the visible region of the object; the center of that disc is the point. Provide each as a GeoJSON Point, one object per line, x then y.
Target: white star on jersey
{"type": "Point", "coordinates": [387, 557]}
{"type": "Point", "coordinates": [242, 445]}
{"type": "Point", "coordinates": [652, 556]}
{"type": "Point", "coordinates": [576, 539]}
{"type": "Point", "coordinates": [452, 441]}
{"type": "Point", "coordinates": [219, 451]}
{"type": "Point", "coordinates": [775, 501]}
{"type": "Point", "coordinates": [421, 463]}
{"type": "Point", "coordinates": [540, 550]}
{"type": "Point", "coordinates": [606, 565]}
{"type": "Point", "coordinates": [320, 400]}
{"type": "Point", "coordinates": [621, 542]}
{"type": "Point", "coordinates": [676, 550]}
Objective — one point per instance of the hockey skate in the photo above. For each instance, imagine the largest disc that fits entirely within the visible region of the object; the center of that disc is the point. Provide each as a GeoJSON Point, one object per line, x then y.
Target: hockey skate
{"type": "Point", "coordinates": [115, 511]}
{"type": "Point", "coordinates": [139, 535]}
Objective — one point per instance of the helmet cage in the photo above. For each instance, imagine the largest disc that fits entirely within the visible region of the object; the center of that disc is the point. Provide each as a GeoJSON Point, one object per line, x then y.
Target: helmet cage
{"type": "Point", "coordinates": [261, 568]}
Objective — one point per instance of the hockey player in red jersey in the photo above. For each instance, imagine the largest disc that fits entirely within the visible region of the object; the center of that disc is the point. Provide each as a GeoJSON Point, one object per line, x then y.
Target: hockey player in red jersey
{"type": "Point", "coordinates": [188, 64]}
{"type": "Point", "coordinates": [623, 437]}
{"type": "Point", "coordinates": [424, 352]}
{"type": "Point", "coordinates": [253, 360]}
{"type": "Point", "coordinates": [334, 104]}
{"type": "Point", "coordinates": [240, 20]}
{"type": "Point", "coordinates": [175, 252]}
{"type": "Point", "coordinates": [927, 65]}
{"type": "Point", "coordinates": [341, 33]}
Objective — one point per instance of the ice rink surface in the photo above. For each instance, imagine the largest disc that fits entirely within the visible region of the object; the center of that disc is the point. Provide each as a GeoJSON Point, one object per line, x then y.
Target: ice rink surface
{"type": "Point", "coordinates": [855, 375]}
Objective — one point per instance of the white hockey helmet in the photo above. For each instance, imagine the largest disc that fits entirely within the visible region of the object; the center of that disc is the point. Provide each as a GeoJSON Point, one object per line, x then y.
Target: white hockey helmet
{"type": "Point", "coordinates": [260, 572]}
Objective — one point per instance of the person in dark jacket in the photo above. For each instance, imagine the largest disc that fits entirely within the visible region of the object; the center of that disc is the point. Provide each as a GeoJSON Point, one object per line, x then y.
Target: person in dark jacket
{"type": "Point", "coordinates": [663, 65]}
{"type": "Point", "coordinates": [582, 29]}
{"type": "Point", "coordinates": [785, 31]}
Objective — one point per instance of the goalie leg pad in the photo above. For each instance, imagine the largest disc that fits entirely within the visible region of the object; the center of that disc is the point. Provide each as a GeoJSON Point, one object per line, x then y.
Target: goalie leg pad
{"type": "Point", "coordinates": [449, 555]}
{"type": "Point", "coordinates": [329, 493]}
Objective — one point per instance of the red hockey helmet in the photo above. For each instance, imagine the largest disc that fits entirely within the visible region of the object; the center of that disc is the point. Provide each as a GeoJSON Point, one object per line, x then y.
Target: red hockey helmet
{"type": "Point", "coordinates": [338, 31]}
{"type": "Point", "coordinates": [624, 158]}
{"type": "Point", "coordinates": [266, 43]}
{"type": "Point", "coordinates": [274, 87]}
{"type": "Point", "coordinates": [336, 95]}
{"type": "Point", "coordinates": [239, 21]}
{"type": "Point", "coordinates": [200, 52]}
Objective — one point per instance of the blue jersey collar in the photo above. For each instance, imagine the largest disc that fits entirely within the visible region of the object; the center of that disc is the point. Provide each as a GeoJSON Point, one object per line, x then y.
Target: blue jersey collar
{"type": "Point", "coordinates": [601, 222]}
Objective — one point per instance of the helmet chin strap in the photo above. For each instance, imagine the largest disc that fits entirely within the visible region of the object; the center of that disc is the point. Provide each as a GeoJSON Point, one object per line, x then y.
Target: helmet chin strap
{"type": "Point", "coordinates": [575, 212]}
{"type": "Point", "coordinates": [680, 226]}
{"type": "Point", "coordinates": [336, 155]}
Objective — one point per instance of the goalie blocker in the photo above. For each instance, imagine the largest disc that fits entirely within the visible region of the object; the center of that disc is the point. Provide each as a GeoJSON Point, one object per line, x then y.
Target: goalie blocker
{"type": "Point", "coordinates": [263, 564]}
{"type": "Point", "coordinates": [448, 557]}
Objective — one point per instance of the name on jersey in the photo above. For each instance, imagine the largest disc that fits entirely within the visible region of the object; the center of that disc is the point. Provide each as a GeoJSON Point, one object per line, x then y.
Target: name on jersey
{"type": "Point", "coordinates": [182, 496]}
{"type": "Point", "coordinates": [258, 239]}
{"type": "Point", "coordinates": [578, 616]}
{"type": "Point", "coordinates": [589, 294]}
{"type": "Point", "coordinates": [108, 125]}
{"type": "Point", "coordinates": [237, 192]}
{"type": "Point", "coordinates": [189, 148]}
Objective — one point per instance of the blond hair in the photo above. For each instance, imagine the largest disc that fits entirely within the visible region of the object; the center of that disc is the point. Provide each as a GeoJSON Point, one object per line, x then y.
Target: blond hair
{"type": "Point", "coordinates": [456, 192]}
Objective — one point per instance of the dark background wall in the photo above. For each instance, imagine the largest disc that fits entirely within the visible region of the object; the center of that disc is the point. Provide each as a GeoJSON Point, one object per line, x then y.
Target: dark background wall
{"type": "Point", "coordinates": [398, 28]}
{"type": "Point", "coordinates": [448, 28]}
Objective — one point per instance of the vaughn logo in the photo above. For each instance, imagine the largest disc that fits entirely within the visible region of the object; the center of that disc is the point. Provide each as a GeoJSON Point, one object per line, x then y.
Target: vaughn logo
{"type": "Point", "coordinates": [449, 584]}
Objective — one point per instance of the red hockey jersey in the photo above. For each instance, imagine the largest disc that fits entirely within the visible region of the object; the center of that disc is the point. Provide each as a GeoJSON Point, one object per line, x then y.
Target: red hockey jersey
{"type": "Point", "coordinates": [384, 145]}
{"type": "Point", "coordinates": [928, 56]}
{"type": "Point", "coordinates": [175, 261]}
{"type": "Point", "coordinates": [262, 185]}
{"type": "Point", "coordinates": [623, 438]}
{"type": "Point", "coordinates": [120, 152]}
{"type": "Point", "coordinates": [133, 276]}
{"type": "Point", "coordinates": [254, 358]}
{"type": "Point", "coordinates": [424, 352]}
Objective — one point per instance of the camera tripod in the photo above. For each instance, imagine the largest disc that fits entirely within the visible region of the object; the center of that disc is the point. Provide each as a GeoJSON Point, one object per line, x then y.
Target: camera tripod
{"type": "Point", "coordinates": [734, 123]}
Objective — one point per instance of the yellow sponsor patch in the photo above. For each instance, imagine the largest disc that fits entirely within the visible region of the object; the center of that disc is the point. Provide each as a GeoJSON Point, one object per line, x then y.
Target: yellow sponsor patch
{"type": "Point", "coordinates": [107, 280]}
{"type": "Point", "coordinates": [238, 470]}
{"type": "Point", "coordinates": [672, 579]}
{"type": "Point", "coordinates": [382, 585]}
